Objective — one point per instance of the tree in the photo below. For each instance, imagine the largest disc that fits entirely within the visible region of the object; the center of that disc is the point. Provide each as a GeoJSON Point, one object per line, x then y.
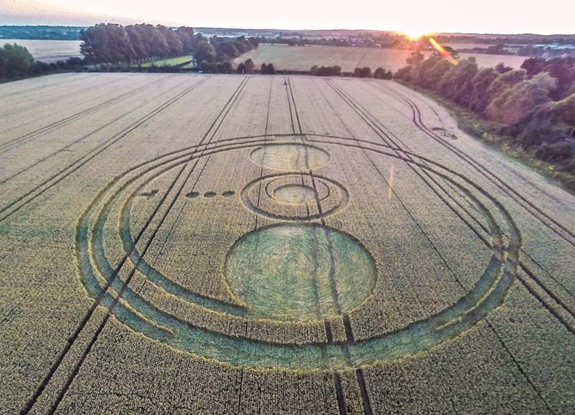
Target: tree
{"type": "Point", "coordinates": [205, 52]}
{"type": "Point", "coordinates": [456, 83]}
{"type": "Point", "coordinates": [138, 42]}
{"type": "Point", "coordinates": [270, 69]}
{"type": "Point", "coordinates": [225, 67]}
{"type": "Point", "coordinates": [415, 58]}
{"type": "Point", "coordinates": [249, 65]}
{"type": "Point", "coordinates": [502, 68]}
{"type": "Point", "coordinates": [314, 70]}
{"type": "Point", "coordinates": [565, 109]}
{"type": "Point", "coordinates": [106, 43]}
{"type": "Point", "coordinates": [226, 51]}
{"type": "Point", "coordinates": [173, 41]}
{"type": "Point", "coordinates": [188, 38]}
{"type": "Point", "coordinates": [404, 73]}
{"type": "Point", "coordinates": [517, 102]}
{"type": "Point", "coordinates": [533, 66]}
{"type": "Point", "coordinates": [480, 85]}
{"type": "Point", "coordinates": [15, 61]}
{"type": "Point", "coordinates": [379, 73]}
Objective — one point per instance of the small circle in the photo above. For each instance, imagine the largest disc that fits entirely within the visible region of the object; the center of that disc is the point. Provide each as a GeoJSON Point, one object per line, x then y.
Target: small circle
{"type": "Point", "coordinates": [209, 194]}
{"type": "Point", "coordinates": [290, 157]}
{"type": "Point", "coordinates": [294, 194]}
{"type": "Point", "coordinates": [301, 272]}
{"type": "Point", "coordinates": [228, 193]}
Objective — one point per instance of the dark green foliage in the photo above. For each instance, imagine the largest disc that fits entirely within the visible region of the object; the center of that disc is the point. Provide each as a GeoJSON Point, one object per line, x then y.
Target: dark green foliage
{"type": "Point", "coordinates": [205, 52]}
{"type": "Point", "coordinates": [364, 72]}
{"type": "Point", "coordinates": [556, 152]}
{"type": "Point", "coordinates": [533, 66]}
{"type": "Point", "coordinates": [415, 58]}
{"type": "Point", "coordinates": [113, 43]}
{"type": "Point", "coordinates": [456, 83]}
{"type": "Point", "coordinates": [404, 73]}
{"type": "Point", "coordinates": [480, 85]}
{"type": "Point", "coordinates": [15, 61]}
{"type": "Point", "coordinates": [249, 66]}
{"type": "Point", "coordinates": [326, 70]}
{"type": "Point", "coordinates": [533, 106]}
{"type": "Point", "coordinates": [106, 43]}
{"type": "Point", "coordinates": [223, 50]}
{"type": "Point", "coordinates": [268, 69]}
{"type": "Point", "coordinates": [502, 68]}
{"type": "Point", "coordinates": [381, 73]}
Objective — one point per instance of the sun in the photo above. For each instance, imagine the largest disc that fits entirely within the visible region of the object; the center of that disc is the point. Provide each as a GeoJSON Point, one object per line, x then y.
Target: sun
{"type": "Point", "coordinates": [414, 33]}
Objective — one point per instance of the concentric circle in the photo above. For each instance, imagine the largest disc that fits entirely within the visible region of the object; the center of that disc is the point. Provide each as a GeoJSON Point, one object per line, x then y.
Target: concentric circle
{"type": "Point", "coordinates": [295, 197]}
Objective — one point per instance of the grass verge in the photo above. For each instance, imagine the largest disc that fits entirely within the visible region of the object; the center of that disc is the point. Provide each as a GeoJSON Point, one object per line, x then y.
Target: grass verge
{"type": "Point", "coordinates": [180, 60]}
{"type": "Point", "coordinates": [488, 132]}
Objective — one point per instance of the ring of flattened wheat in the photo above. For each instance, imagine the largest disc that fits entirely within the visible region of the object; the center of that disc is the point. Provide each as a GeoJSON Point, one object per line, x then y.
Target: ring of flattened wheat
{"type": "Point", "coordinates": [100, 275]}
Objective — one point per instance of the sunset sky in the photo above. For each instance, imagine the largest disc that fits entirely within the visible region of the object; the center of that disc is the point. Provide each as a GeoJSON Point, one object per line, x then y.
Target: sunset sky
{"type": "Point", "coordinates": [411, 16]}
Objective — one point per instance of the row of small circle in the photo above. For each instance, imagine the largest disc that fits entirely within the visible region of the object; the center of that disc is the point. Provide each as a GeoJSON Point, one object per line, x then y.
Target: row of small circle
{"type": "Point", "coordinates": [193, 195]}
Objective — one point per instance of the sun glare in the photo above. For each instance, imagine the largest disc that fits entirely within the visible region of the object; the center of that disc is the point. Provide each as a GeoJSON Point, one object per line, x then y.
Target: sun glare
{"type": "Point", "coordinates": [414, 33]}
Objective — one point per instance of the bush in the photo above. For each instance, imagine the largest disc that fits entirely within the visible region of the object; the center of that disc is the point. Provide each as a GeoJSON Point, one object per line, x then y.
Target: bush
{"type": "Point", "coordinates": [556, 152]}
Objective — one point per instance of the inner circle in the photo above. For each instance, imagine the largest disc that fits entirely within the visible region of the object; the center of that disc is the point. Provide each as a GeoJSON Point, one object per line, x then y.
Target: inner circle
{"type": "Point", "coordinates": [294, 194]}
{"type": "Point", "coordinates": [299, 200]}
{"type": "Point", "coordinates": [301, 272]}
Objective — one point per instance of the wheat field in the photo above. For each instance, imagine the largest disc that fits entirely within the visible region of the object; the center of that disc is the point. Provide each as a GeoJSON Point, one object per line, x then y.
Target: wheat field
{"type": "Point", "coordinates": [295, 58]}
{"type": "Point", "coordinates": [184, 244]}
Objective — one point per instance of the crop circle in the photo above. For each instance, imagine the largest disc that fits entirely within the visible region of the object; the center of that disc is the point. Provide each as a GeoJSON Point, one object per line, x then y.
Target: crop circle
{"type": "Point", "coordinates": [294, 196]}
{"type": "Point", "coordinates": [290, 157]}
{"type": "Point", "coordinates": [158, 317]}
{"type": "Point", "coordinates": [300, 272]}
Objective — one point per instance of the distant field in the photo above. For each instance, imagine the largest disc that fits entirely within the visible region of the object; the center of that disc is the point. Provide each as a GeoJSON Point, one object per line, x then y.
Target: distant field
{"type": "Point", "coordinates": [303, 58]}
{"type": "Point", "coordinates": [49, 50]}
{"type": "Point", "coordinates": [190, 244]}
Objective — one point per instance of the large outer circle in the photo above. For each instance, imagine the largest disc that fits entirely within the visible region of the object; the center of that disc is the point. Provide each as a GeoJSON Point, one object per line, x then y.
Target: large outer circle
{"type": "Point", "coordinates": [99, 278]}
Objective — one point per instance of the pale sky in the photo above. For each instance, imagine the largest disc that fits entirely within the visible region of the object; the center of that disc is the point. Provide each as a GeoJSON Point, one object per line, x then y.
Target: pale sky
{"type": "Point", "coordinates": [410, 16]}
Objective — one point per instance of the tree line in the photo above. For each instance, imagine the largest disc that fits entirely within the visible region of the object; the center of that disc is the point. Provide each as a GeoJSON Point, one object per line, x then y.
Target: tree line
{"type": "Point", "coordinates": [16, 62]}
{"type": "Point", "coordinates": [114, 43]}
{"type": "Point", "coordinates": [533, 106]}
{"type": "Point", "coordinates": [364, 72]}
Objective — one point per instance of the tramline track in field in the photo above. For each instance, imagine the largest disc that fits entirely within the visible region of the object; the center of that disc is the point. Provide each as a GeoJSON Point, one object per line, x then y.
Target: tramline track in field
{"type": "Point", "coordinates": [563, 231]}
{"type": "Point", "coordinates": [17, 204]}
{"type": "Point", "coordinates": [124, 284]}
{"type": "Point", "coordinates": [51, 96]}
{"type": "Point", "coordinates": [11, 144]}
{"type": "Point", "coordinates": [360, 378]}
{"type": "Point", "coordinates": [391, 141]}
{"type": "Point", "coordinates": [568, 322]}
{"type": "Point", "coordinates": [84, 137]}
